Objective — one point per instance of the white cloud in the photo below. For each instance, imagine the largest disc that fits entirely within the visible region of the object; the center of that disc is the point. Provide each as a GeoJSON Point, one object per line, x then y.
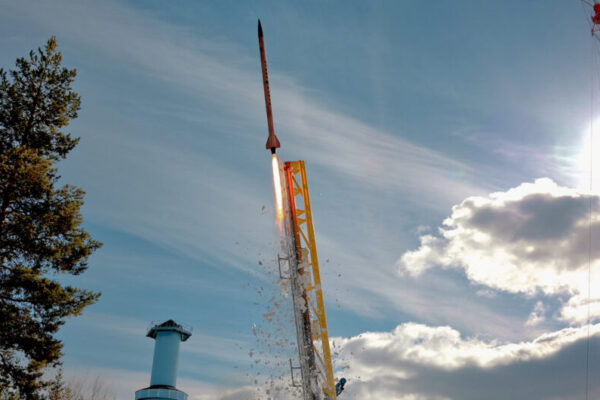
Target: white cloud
{"type": "Point", "coordinates": [537, 315]}
{"type": "Point", "coordinates": [444, 347]}
{"type": "Point", "coordinates": [530, 239]}
{"type": "Point", "coordinates": [378, 364]}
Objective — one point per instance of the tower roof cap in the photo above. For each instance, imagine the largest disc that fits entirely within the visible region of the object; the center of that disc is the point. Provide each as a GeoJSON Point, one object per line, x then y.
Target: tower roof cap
{"type": "Point", "coordinates": [169, 326]}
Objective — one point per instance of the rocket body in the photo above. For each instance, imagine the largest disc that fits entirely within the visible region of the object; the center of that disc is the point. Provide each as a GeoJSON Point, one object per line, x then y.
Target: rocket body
{"type": "Point", "coordinates": [272, 141]}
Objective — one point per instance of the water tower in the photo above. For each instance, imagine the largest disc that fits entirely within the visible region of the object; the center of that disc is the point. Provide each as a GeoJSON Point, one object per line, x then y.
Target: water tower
{"type": "Point", "coordinates": [167, 337]}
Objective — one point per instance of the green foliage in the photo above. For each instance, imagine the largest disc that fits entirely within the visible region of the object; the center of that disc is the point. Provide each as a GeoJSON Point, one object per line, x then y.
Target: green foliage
{"type": "Point", "coordinates": [40, 222]}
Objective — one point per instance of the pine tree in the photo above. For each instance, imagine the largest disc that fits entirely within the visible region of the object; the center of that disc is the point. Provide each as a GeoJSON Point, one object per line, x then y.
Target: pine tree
{"type": "Point", "coordinates": [41, 236]}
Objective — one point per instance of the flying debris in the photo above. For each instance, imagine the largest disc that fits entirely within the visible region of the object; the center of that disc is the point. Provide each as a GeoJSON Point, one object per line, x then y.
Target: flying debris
{"type": "Point", "coordinates": [272, 141]}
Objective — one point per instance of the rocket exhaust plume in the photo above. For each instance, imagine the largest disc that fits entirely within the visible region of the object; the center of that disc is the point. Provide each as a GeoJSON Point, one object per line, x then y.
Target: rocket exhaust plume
{"type": "Point", "coordinates": [277, 187]}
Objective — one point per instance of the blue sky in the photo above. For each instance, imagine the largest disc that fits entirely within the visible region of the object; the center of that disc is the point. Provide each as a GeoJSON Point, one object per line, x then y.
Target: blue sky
{"type": "Point", "coordinates": [409, 116]}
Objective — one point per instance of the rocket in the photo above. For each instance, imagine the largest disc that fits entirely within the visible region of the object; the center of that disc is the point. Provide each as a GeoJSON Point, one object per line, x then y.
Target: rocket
{"type": "Point", "coordinates": [272, 141]}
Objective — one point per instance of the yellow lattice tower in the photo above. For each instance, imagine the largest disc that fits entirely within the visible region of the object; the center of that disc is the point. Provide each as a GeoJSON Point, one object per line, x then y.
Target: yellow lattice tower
{"type": "Point", "coordinates": [308, 268]}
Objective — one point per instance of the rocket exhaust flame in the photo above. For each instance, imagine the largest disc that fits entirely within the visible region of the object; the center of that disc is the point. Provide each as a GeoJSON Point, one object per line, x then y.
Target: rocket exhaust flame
{"type": "Point", "coordinates": [277, 187]}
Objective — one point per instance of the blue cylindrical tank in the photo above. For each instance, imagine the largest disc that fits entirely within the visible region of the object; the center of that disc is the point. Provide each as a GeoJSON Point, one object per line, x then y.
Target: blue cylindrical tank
{"type": "Point", "coordinates": [166, 358]}
{"type": "Point", "coordinates": [167, 337]}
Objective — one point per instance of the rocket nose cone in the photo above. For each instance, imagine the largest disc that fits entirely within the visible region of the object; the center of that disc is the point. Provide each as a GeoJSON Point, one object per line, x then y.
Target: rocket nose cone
{"type": "Point", "coordinates": [260, 32]}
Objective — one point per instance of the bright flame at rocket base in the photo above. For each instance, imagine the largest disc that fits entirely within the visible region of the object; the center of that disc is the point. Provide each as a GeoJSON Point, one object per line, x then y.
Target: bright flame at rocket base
{"type": "Point", "coordinates": [277, 187]}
